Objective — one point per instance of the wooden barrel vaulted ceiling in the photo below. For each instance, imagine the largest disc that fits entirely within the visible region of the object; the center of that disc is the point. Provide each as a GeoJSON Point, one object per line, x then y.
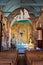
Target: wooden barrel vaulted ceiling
{"type": "Point", "coordinates": [34, 6]}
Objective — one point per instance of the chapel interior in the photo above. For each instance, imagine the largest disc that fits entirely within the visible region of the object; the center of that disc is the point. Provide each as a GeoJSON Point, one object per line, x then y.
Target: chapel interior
{"type": "Point", "coordinates": [21, 32]}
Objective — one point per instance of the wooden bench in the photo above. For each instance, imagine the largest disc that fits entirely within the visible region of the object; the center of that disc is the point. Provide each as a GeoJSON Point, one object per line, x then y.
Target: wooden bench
{"type": "Point", "coordinates": [34, 57]}
{"type": "Point", "coordinates": [6, 62]}
{"type": "Point", "coordinates": [11, 55]}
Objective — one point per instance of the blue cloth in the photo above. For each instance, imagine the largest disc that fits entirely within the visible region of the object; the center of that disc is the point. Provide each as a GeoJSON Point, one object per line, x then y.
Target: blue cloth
{"type": "Point", "coordinates": [21, 47]}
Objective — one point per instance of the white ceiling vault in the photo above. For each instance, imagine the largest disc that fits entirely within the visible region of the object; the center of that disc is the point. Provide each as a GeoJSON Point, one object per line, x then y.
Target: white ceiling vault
{"type": "Point", "coordinates": [33, 6]}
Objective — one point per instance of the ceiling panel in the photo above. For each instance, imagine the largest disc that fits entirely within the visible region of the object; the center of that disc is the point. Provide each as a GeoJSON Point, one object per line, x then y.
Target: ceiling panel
{"type": "Point", "coordinates": [9, 6]}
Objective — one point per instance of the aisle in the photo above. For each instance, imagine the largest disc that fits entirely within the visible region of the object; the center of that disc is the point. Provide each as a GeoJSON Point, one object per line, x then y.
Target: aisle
{"type": "Point", "coordinates": [21, 60]}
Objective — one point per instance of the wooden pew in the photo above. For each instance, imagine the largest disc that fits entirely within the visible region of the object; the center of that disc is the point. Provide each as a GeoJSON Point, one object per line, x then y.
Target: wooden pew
{"type": "Point", "coordinates": [34, 57]}
{"type": "Point", "coordinates": [11, 55]}
{"type": "Point", "coordinates": [6, 62]}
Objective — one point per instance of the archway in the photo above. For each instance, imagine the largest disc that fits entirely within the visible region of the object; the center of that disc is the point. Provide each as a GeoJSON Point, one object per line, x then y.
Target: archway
{"type": "Point", "coordinates": [20, 27]}
{"type": "Point", "coordinates": [15, 13]}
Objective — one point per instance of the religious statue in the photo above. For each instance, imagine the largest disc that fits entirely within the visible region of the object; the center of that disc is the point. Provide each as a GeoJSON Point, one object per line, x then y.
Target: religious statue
{"type": "Point", "coordinates": [31, 45]}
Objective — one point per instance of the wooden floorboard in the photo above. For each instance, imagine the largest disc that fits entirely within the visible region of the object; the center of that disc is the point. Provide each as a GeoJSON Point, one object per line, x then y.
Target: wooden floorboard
{"type": "Point", "coordinates": [21, 60]}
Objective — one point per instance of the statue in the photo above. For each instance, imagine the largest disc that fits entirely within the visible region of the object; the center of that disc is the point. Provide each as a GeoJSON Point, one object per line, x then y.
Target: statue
{"type": "Point", "coordinates": [31, 45]}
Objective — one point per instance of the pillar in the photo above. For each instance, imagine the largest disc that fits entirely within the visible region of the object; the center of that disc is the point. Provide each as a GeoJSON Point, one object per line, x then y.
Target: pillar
{"type": "Point", "coordinates": [39, 39]}
{"type": "Point", "coordinates": [0, 29]}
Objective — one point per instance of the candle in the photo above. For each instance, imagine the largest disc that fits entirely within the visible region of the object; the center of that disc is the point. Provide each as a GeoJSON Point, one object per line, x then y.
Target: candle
{"type": "Point", "coordinates": [30, 41]}
{"type": "Point", "coordinates": [39, 34]}
{"type": "Point", "coordinates": [40, 24]}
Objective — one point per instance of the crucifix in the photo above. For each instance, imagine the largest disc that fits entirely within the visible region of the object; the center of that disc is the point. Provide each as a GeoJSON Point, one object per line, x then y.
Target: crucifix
{"type": "Point", "coordinates": [21, 34]}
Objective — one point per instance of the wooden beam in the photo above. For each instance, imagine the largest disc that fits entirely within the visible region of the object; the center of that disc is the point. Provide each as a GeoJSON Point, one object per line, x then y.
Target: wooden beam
{"type": "Point", "coordinates": [31, 4]}
{"type": "Point", "coordinates": [2, 4]}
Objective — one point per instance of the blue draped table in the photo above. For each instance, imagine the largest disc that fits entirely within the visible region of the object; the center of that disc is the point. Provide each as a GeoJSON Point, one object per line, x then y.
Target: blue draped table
{"type": "Point", "coordinates": [21, 47]}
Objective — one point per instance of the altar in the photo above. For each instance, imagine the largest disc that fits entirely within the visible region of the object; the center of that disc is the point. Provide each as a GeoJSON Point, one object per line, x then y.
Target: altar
{"type": "Point", "coordinates": [21, 32]}
{"type": "Point", "coordinates": [21, 47]}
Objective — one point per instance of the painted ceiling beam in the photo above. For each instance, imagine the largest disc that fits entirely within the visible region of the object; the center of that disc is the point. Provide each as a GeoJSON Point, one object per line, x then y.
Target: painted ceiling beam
{"type": "Point", "coordinates": [28, 12]}
{"type": "Point", "coordinates": [8, 5]}
{"type": "Point", "coordinates": [2, 4]}
{"type": "Point", "coordinates": [35, 7]}
{"type": "Point", "coordinates": [31, 4]}
{"type": "Point", "coordinates": [34, 1]}
{"type": "Point", "coordinates": [6, 12]}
